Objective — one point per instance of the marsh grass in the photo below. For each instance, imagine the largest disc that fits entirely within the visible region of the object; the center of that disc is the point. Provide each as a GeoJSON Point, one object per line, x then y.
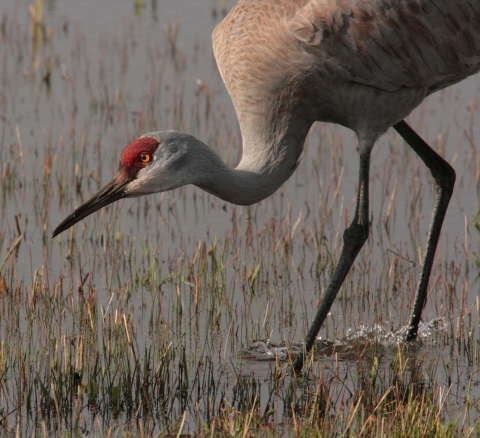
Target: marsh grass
{"type": "Point", "coordinates": [180, 315]}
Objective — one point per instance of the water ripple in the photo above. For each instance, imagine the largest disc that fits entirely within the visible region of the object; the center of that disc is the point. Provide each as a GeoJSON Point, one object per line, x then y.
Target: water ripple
{"type": "Point", "coordinates": [365, 336]}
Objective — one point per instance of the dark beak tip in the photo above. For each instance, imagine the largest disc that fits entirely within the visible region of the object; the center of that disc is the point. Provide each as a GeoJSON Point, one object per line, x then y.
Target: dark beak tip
{"type": "Point", "coordinates": [111, 192]}
{"type": "Point", "coordinates": [57, 231]}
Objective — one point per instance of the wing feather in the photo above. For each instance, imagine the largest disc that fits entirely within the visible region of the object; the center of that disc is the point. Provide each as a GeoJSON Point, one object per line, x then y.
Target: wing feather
{"type": "Point", "coordinates": [392, 43]}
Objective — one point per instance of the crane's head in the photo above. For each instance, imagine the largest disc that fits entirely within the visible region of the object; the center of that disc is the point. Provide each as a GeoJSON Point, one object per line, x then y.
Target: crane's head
{"type": "Point", "coordinates": [155, 162]}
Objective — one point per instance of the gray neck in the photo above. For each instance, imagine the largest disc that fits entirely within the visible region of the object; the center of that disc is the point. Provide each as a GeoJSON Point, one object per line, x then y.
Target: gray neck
{"type": "Point", "coordinates": [241, 187]}
{"type": "Point", "coordinates": [263, 168]}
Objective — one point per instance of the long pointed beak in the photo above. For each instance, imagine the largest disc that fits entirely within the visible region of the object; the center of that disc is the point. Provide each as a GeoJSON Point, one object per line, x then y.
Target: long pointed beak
{"type": "Point", "coordinates": [111, 192]}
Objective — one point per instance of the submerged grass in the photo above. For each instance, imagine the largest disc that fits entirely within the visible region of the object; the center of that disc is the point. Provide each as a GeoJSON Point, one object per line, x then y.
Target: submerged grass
{"type": "Point", "coordinates": [179, 315]}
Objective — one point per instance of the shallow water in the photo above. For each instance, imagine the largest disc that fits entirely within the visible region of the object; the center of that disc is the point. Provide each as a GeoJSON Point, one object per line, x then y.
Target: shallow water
{"type": "Point", "coordinates": [185, 266]}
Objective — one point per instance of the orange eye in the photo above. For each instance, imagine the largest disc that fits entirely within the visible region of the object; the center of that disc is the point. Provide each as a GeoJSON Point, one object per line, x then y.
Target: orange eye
{"type": "Point", "coordinates": [145, 157]}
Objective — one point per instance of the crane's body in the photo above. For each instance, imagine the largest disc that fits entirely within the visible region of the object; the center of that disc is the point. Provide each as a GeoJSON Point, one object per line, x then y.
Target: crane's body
{"type": "Point", "coordinates": [364, 64]}
{"type": "Point", "coordinates": [360, 63]}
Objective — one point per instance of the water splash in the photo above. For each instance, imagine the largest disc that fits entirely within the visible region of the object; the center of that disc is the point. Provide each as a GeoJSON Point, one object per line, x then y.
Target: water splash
{"type": "Point", "coordinates": [377, 335]}
{"type": "Point", "coordinates": [266, 350]}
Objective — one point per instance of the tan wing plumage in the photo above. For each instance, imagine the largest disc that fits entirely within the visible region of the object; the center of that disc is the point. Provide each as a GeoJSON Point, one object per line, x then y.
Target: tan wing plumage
{"type": "Point", "coordinates": [392, 43]}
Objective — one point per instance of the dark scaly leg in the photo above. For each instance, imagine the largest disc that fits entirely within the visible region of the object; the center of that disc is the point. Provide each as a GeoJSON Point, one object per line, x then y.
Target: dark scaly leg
{"type": "Point", "coordinates": [353, 239]}
{"type": "Point", "coordinates": [444, 180]}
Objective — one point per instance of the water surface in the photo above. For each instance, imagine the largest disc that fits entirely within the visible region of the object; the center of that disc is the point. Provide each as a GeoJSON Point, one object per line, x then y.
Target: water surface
{"type": "Point", "coordinates": [232, 285]}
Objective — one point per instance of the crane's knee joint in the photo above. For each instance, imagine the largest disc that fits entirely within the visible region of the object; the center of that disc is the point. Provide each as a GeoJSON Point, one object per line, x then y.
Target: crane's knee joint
{"type": "Point", "coordinates": [356, 235]}
{"type": "Point", "coordinates": [448, 178]}
{"type": "Point", "coordinates": [445, 176]}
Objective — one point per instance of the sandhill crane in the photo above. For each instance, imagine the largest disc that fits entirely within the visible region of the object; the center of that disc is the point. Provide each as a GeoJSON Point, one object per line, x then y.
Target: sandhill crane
{"type": "Point", "coordinates": [364, 64]}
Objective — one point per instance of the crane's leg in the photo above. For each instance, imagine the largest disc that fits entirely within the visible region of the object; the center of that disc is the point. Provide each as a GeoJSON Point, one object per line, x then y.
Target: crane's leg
{"type": "Point", "coordinates": [444, 180]}
{"type": "Point", "coordinates": [353, 239]}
